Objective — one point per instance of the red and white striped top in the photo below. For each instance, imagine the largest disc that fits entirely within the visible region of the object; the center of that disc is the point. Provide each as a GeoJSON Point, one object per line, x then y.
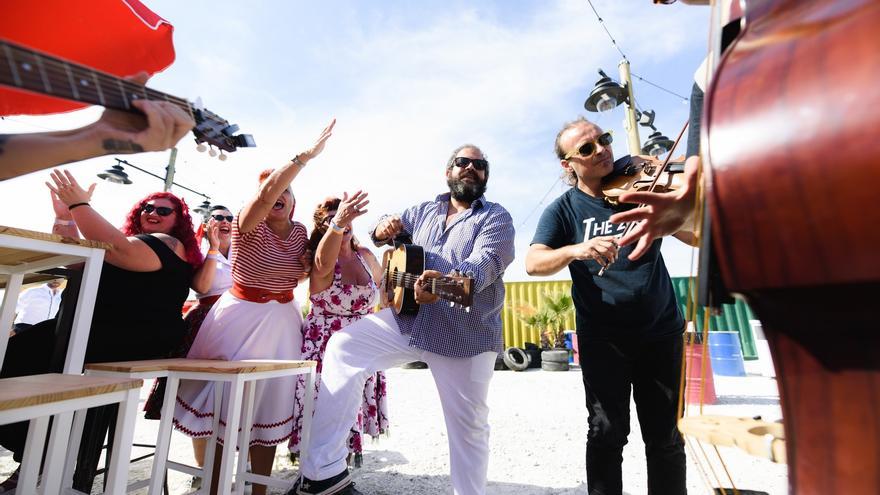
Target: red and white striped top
{"type": "Point", "coordinates": [262, 260]}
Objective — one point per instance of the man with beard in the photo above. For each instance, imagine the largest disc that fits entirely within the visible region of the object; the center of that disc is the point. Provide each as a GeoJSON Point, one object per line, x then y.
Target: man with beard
{"type": "Point", "coordinates": [460, 231]}
{"type": "Point", "coordinates": [629, 327]}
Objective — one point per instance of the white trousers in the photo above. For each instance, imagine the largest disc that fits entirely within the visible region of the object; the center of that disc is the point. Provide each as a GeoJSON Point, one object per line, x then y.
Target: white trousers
{"type": "Point", "coordinates": [372, 344]}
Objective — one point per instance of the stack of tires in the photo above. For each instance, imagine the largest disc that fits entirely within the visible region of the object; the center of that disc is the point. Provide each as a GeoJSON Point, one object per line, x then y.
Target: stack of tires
{"type": "Point", "coordinates": [519, 359]}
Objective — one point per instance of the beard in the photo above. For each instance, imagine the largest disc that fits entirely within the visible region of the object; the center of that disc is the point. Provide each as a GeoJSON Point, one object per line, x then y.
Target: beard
{"type": "Point", "coordinates": [466, 191]}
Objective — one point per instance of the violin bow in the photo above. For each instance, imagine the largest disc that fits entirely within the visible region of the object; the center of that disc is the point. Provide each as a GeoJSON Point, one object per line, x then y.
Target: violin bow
{"type": "Point", "coordinates": [631, 225]}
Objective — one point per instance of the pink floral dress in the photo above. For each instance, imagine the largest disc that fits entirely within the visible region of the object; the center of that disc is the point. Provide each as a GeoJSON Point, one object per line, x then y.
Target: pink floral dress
{"type": "Point", "coordinates": [332, 309]}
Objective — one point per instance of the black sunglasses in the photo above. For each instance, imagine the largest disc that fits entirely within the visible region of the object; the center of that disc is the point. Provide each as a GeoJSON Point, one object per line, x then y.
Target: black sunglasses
{"type": "Point", "coordinates": [463, 162]}
{"type": "Point", "coordinates": [162, 211]}
{"type": "Point", "coordinates": [587, 149]}
{"type": "Point", "coordinates": [220, 218]}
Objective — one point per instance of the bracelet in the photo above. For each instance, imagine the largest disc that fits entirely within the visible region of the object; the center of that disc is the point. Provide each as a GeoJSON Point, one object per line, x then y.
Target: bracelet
{"type": "Point", "coordinates": [215, 257]}
{"type": "Point", "coordinates": [71, 207]}
{"type": "Point", "coordinates": [297, 161]}
{"type": "Point", "coordinates": [59, 221]}
{"type": "Point", "coordinates": [213, 251]}
{"type": "Point", "coordinates": [336, 228]}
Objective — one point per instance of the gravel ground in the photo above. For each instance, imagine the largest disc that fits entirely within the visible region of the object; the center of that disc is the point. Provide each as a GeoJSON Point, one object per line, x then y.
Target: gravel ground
{"type": "Point", "coordinates": [538, 424]}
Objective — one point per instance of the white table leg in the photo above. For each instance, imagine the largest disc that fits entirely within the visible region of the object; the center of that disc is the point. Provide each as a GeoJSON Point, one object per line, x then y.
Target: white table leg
{"type": "Point", "coordinates": [211, 446]}
{"type": "Point", "coordinates": [244, 439]}
{"type": "Point", "coordinates": [7, 311]}
{"type": "Point", "coordinates": [82, 317]}
{"type": "Point", "coordinates": [33, 456]}
{"type": "Point", "coordinates": [117, 480]}
{"type": "Point", "coordinates": [59, 438]}
{"type": "Point", "coordinates": [79, 421]}
{"type": "Point", "coordinates": [233, 413]}
{"type": "Point", "coordinates": [308, 409]}
{"type": "Point", "coordinates": [163, 441]}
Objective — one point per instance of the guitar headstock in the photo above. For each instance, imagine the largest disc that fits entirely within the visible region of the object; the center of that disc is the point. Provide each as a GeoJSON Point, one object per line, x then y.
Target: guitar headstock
{"type": "Point", "coordinates": [215, 131]}
{"type": "Point", "coordinates": [455, 289]}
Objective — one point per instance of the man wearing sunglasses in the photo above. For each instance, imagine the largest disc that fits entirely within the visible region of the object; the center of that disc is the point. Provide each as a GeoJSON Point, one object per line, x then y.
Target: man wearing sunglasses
{"type": "Point", "coordinates": [629, 326]}
{"type": "Point", "coordinates": [459, 231]}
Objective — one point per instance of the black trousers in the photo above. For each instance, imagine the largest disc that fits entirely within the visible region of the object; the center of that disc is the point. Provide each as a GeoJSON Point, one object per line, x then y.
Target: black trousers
{"type": "Point", "coordinates": [652, 371]}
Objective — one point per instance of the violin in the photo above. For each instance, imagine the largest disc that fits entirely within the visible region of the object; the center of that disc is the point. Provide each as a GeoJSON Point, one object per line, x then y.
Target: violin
{"type": "Point", "coordinates": [642, 173]}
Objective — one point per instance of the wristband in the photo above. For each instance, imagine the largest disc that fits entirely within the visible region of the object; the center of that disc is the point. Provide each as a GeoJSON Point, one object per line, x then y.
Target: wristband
{"type": "Point", "coordinates": [213, 251]}
{"type": "Point", "coordinates": [59, 221]}
{"type": "Point", "coordinates": [336, 228]}
{"type": "Point", "coordinates": [75, 205]}
{"type": "Point", "coordinates": [215, 257]}
{"type": "Point", "coordinates": [297, 161]}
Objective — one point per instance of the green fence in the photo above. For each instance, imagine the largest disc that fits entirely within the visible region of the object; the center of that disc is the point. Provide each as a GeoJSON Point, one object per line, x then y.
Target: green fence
{"type": "Point", "coordinates": [734, 317]}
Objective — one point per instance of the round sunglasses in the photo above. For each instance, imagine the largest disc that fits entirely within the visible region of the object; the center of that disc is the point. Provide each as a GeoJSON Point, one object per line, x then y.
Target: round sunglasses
{"type": "Point", "coordinates": [587, 149]}
{"type": "Point", "coordinates": [162, 211]}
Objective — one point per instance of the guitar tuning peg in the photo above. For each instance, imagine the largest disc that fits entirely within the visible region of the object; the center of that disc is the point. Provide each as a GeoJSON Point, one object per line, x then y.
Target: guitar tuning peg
{"type": "Point", "coordinates": [201, 148]}
{"type": "Point", "coordinates": [212, 152]}
{"type": "Point", "coordinates": [222, 156]}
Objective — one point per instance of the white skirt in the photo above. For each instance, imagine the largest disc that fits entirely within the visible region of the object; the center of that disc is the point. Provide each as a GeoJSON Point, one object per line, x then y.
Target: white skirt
{"type": "Point", "coordinates": [237, 329]}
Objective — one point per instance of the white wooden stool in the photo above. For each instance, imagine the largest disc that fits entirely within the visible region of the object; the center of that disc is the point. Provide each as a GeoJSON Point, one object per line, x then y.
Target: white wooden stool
{"type": "Point", "coordinates": [38, 397]}
{"type": "Point", "coordinates": [241, 376]}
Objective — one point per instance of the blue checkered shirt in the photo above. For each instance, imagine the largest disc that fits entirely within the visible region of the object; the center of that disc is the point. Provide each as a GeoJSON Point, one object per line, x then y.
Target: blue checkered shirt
{"type": "Point", "coordinates": [480, 241]}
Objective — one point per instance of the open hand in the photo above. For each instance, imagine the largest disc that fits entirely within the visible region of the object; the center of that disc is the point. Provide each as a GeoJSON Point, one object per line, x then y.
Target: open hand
{"type": "Point", "coordinates": [350, 208]}
{"type": "Point", "coordinates": [318, 147]}
{"type": "Point", "coordinates": [67, 191]}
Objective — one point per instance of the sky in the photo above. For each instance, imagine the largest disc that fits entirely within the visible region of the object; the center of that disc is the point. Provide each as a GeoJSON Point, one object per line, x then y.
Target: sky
{"type": "Point", "coordinates": [407, 82]}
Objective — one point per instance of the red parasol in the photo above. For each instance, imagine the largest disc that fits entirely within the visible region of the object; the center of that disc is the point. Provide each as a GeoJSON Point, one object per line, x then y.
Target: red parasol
{"type": "Point", "coordinates": [122, 37]}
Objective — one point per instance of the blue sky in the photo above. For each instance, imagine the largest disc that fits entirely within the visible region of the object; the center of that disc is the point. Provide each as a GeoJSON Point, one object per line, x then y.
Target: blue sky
{"type": "Point", "coordinates": [408, 82]}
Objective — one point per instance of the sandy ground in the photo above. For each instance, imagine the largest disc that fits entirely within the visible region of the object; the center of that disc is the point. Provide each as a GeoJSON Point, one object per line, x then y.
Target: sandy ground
{"type": "Point", "coordinates": [538, 424]}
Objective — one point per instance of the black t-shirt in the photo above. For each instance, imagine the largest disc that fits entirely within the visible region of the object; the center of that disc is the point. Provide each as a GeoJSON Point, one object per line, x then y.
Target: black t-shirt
{"type": "Point", "coordinates": [632, 298]}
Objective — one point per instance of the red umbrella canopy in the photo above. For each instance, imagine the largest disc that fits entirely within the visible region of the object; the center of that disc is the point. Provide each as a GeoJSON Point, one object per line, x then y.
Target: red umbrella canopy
{"type": "Point", "coordinates": [121, 37]}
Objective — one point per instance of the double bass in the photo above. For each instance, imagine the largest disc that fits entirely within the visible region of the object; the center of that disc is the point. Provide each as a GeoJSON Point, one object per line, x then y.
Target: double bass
{"type": "Point", "coordinates": [790, 140]}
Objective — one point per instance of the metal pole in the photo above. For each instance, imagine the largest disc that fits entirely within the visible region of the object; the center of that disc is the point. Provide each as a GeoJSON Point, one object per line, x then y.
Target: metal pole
{"type": "Point", "coordinates": [169, 170]}
{"type": "Point", "coordinates": [632, 129]}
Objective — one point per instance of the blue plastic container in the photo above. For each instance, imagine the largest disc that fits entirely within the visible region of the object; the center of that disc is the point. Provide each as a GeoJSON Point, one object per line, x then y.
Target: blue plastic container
{"type": "Point", "coordinates": [726, 354]}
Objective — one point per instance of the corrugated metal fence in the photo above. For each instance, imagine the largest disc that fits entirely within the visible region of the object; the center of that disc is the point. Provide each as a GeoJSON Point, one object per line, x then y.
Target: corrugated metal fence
{"type": "Point", "coordinates": [734, 317]}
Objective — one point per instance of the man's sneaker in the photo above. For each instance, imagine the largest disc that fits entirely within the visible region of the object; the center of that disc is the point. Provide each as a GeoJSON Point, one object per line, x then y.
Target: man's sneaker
{"type": "Point", "coordinates": [340, 484]}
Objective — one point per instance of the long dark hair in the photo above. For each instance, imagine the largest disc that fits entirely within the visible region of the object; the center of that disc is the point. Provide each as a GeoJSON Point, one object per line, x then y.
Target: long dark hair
{"type": "Point", "coordinates": [183, 227]}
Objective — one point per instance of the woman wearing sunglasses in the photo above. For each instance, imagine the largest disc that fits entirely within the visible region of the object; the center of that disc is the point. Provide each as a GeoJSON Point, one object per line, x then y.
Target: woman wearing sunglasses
{"type": "Point", "coordinates": [343, 289]}
{"type": "Point", "coordinates": [145, 280]}
{"type": "Point", "coordinates": [257, 318]}
{"type": "Point", "coordinates": [209, 282]}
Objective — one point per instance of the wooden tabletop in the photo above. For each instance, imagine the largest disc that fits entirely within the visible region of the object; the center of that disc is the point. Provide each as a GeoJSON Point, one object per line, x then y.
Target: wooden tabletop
{"type": "Point", "coordinates": [24, 391]}
{"type": "Point", "coordinates": [200, 365]}
{"type": "Point", "coordinates": [12, 257]}
{"type": "Point", "coordinates": [29, 278]}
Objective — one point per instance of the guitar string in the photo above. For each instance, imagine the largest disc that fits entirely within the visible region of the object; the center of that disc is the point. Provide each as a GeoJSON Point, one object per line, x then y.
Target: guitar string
{"type": "Point", "coordinates": [58, 74]}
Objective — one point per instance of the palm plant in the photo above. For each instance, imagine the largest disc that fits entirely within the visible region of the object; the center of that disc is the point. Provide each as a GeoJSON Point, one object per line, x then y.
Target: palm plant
{"type": "Point", "coordinates": [550, 319]}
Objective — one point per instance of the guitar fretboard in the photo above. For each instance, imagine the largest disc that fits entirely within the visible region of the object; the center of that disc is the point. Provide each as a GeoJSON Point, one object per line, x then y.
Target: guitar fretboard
{"type": "Point", "coordinates": [26, 69]}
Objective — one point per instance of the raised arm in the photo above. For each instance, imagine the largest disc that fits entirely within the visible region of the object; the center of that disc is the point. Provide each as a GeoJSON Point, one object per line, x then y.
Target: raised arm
{"type": "Point", "coordinates": [129, 253]}
{"type": "Point", "coordinates": [160, 128]}
{"type": "Point", "coordinates": [255, 210]}
{"type": "Point", "coordinates": [328, 249]}
{"type": "Point", "coordinates": [204, 276]}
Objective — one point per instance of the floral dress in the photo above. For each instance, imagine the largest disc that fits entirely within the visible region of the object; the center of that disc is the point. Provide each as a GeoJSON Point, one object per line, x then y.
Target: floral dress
{"type": "Point", "coordinates": [332, 309]}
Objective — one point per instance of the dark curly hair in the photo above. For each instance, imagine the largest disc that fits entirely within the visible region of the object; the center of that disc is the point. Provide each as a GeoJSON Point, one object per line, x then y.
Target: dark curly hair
{"type": "Point", "coordinates": [322, 211]}
{"type": "Point", "coordinates": [182, 231]}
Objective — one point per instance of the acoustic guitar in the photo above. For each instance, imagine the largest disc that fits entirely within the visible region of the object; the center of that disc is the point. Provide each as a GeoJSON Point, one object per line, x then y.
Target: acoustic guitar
{"type": "Point", "coordinates": [402, 267]}
{"type": "Point", "coordinates": [30, 70]}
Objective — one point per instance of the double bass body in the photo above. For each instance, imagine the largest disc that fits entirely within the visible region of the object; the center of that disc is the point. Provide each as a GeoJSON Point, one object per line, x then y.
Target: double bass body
{"type": "Point", "coordinates": [791, 128]}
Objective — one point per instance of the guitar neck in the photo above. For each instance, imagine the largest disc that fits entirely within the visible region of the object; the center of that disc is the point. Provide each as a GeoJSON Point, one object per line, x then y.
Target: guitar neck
{"type": "Point", "coordinates": [26, 69]}
{"type": "Point", "coordinates": [435, 286]}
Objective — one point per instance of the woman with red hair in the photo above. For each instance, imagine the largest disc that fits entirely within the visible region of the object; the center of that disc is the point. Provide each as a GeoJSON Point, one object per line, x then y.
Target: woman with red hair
{"type": "Point", "coordinates": [144, 281]}
{"type": "Point", "coordinates": [257, 318]}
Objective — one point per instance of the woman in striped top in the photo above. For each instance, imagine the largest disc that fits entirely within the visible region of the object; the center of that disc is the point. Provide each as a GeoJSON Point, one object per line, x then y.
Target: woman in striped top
{"type": "Point", "coordinates": [257, 318]}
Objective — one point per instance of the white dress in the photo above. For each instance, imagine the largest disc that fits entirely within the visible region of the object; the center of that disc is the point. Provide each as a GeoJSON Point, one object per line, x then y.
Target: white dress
{"type": "Point", "coordinates": [237, 329]}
